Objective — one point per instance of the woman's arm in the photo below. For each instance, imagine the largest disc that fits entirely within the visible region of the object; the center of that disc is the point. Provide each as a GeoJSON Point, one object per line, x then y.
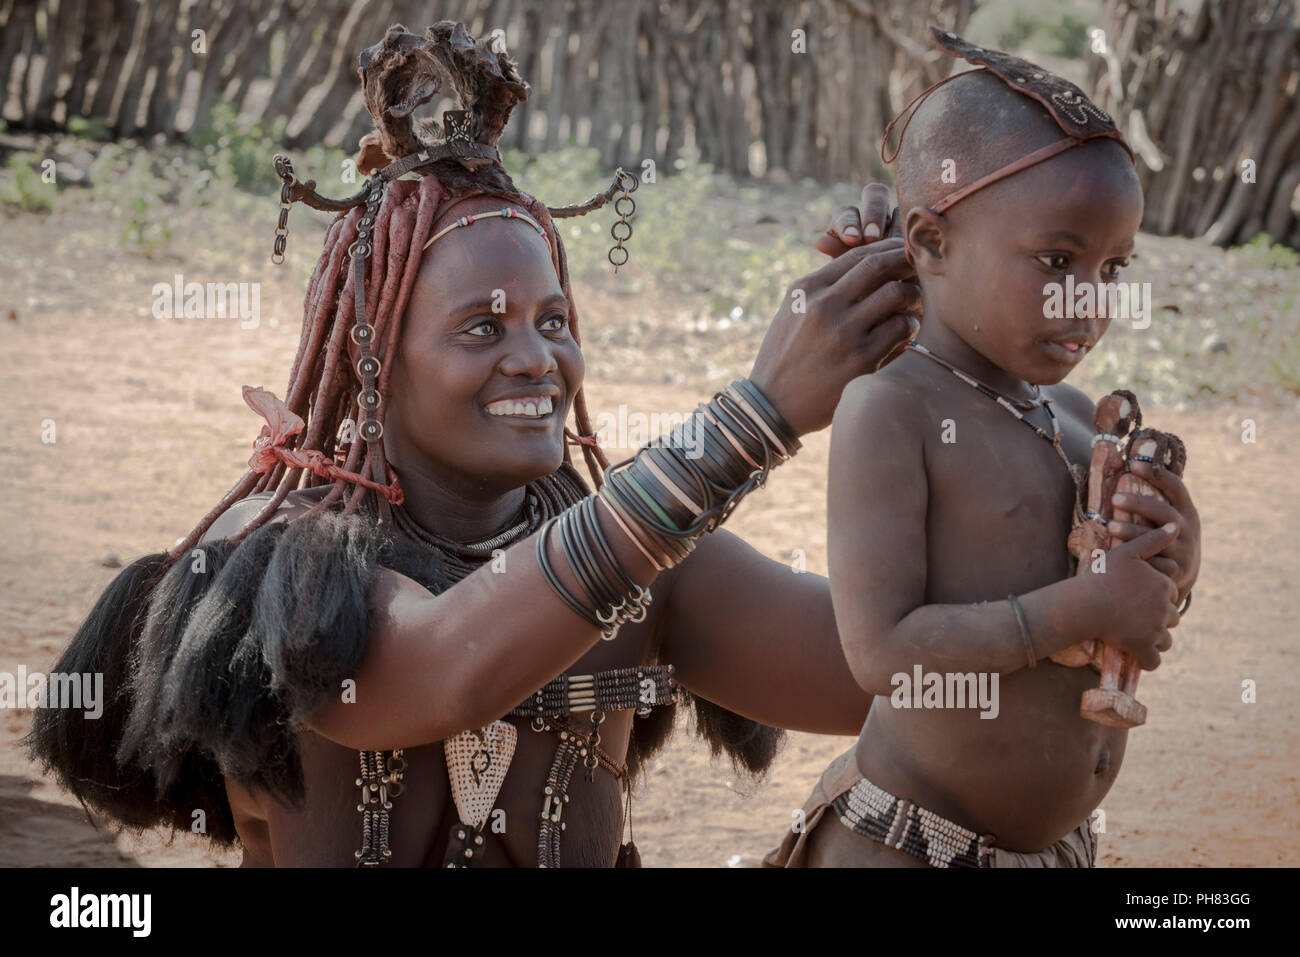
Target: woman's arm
{"type": "Point", "coordinates": [752, 635]}
{"type": "Point", "coordinates": [436, 665]}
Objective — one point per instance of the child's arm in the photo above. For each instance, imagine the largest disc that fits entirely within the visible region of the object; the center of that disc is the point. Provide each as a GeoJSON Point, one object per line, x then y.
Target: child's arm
{"type": "Point", "coordinates": [877, 549]}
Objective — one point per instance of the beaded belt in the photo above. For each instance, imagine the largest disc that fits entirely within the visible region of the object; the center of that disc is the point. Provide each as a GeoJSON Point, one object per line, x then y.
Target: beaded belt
{"type": "Point", "coordinates": [620, 689]}
{"type": "Point", "coordinates": [898, 823]}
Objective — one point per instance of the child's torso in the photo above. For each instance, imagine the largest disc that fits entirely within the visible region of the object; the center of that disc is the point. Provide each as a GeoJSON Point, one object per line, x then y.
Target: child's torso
{"type": "Point", "coordinates": [999, 512]}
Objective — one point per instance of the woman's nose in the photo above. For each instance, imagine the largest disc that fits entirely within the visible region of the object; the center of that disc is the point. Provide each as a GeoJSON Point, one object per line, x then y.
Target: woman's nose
{"type": "Point", "coordinates": [528, 354]}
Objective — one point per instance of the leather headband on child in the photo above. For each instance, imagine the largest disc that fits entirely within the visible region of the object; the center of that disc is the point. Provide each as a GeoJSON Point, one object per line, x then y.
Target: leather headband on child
{"type": "Point", "coordinates": [1077, 116]}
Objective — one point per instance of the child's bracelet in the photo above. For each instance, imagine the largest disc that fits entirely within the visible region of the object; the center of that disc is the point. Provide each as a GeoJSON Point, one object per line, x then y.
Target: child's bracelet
{"type": "Point", "coordinates": [1024, 631]}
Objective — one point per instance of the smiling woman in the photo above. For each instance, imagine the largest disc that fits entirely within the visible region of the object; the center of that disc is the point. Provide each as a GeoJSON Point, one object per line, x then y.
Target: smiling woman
{"type": "Point", "coordinates": [409, 588]}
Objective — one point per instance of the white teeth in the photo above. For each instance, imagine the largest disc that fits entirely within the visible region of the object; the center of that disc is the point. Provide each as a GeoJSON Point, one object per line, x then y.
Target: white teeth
{"type": "Point", "coordinates": [529, 408]}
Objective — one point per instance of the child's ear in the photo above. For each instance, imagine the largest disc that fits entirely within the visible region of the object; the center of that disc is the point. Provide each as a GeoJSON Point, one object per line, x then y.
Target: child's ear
{"type": "Point", "coordinates": [925, 231]}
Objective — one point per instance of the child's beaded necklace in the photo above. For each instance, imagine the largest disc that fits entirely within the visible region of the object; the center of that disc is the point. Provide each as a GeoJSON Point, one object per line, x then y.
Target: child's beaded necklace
{"type": "Point", "coordinates": [1010, 404]}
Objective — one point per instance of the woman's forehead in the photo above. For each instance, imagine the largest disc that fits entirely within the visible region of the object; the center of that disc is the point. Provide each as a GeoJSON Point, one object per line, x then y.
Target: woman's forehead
{"type": "Point", "coordinates": [487, 255]}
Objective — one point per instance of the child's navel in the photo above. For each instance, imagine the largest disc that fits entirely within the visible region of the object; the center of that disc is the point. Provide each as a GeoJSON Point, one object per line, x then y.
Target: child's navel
{"type": "Point", "coordinates": [1103, 760]}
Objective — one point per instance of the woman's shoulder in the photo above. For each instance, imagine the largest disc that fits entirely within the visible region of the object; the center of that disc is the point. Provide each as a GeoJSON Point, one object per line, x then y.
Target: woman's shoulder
{"type": "Point", "coordinates": [234, 519]}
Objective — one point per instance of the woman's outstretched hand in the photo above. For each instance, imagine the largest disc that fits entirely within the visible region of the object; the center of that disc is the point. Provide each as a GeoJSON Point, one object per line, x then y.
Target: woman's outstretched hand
{"type": "Point", "coordinates": [842, 321]}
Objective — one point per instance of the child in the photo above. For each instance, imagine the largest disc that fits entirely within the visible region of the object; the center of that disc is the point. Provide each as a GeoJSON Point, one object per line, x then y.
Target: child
{"type": "Point", "coordinates": [1009, 179]}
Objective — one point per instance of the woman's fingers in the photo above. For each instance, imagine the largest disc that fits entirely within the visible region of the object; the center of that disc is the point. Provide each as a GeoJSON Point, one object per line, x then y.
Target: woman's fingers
{"type": "Point", "coordinates": [847, 225]}
{"type": "Point", "coordinates": [874, 216]}
{"type": "Point", "coordinates": [890, 297]}
{"type": "Point", "coordinates": [854, 226]}
{"type": "Point", "coordinates": [886, 340]}
{"type": "Point", "coordinates": [895, 224]}
{"type": "Point", "coordinates": [845, 233]}
{"type": "Point", "coordinates": [860, 277]}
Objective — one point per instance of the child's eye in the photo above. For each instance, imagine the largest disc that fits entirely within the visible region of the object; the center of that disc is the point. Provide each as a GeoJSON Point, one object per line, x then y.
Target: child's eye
{"type": "Point", "coordinates": [1054, 261]}
{"type": "Point", "coordinates": [1113, 268]}
{"type": "Point", "coordinates": [554, 323]}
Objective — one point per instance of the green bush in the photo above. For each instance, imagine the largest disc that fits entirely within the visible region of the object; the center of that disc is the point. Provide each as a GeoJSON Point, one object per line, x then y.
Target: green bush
{"type": "Point", "coordinates": [240, 152]}
{"type": "Point", "coordinates": [125, 180]}
{"type": "Point", "coordinates": [22, 187]}
{"type": "Point", "coordinates": [92, 128]}
{"type": "Point", "coordinates": [1264, 253]}
{"type": "Point", "coordinates": [1058, 29]}
{"type": "Point", "coordinates": [679, 240]}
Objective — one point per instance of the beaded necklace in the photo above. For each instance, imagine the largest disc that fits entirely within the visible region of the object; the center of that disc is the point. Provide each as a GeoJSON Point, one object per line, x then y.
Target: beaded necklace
{"type": "Point", "coordinates": [486, 752]}
{"type": "Point", "coordinates": [1010, 405]}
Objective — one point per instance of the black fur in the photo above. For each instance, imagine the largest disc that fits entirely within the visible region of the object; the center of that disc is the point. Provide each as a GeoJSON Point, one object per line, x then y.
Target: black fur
{"type": "Point", "coordinates": [211, 666]}
{"type": "Point", "coordinates": [751, 746]}
{"type": "Point", "coordinates": [82, 753]}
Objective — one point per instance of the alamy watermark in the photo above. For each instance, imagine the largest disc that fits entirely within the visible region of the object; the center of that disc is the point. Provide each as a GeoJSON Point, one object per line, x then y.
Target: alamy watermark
{"type": "Point", "coordinates": [81, 692]}
{"type": "Point", "coordinates": [1097, 300]}
{"type": "Point", "coordinates": [631, 430]}
{"type": "Point", "coordinates": [208, 300]}
{"type": "Point", "coordinates": [75, 909]}
{"type": "Point", "coordinates": [946, 690]}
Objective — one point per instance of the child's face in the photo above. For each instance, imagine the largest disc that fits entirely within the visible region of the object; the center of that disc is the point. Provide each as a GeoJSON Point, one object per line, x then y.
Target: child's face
{"type": "Point", "coordinates": [460, 358]}
{"type": "Point", "coordinates": [1074, 215]}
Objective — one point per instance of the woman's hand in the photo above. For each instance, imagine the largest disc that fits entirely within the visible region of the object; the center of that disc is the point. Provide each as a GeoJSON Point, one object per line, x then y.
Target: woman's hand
{"type": "Point", "coordinates": [845, 320]}
{"type": "Point", "coordinates": [853, 226]}
{"type": "Point", "coordinates": [1181, 559]}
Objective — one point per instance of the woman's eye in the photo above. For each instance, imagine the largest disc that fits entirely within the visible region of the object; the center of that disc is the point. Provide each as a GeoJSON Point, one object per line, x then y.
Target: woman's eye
{"type": "Point", "coordinates": [482, 329]}
{"type": "Point", "coordinates": [1054, 261]}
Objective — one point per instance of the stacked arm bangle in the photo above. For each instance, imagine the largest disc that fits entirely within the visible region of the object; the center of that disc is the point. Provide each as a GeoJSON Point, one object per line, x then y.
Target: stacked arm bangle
{"type": "Point", "coordinates": [674, 490]}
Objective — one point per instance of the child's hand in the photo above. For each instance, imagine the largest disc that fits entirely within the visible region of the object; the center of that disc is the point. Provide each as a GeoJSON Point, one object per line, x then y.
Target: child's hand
{"type": "Point", "coordinates": [1181, 560]}
{"type": "Point", "coordinates": [1139, 599]}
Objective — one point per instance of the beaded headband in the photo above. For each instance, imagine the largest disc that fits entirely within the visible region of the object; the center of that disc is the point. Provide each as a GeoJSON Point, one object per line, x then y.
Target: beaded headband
{"type": "Point", "coordinates": [508, 212]}
{"type": "Point", "coordinates": [1077, 116]}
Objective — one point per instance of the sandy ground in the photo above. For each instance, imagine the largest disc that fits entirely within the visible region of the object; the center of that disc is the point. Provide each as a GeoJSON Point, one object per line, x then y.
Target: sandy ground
{"type": "Point", "coordinates": [143, 449]}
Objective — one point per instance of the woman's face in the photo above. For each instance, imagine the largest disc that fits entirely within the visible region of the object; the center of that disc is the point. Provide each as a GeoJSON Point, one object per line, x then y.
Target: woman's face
{"type": "Point", "coordinates": [486, 368]}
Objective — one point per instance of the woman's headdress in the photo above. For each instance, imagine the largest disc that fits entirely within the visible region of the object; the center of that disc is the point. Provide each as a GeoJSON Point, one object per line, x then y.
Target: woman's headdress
{"type": "Point", "coordinates": [330, 426]}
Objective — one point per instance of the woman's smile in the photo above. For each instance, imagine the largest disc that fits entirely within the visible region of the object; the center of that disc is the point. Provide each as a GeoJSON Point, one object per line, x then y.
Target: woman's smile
{"type": "Point", "coordinates": [534, 406]}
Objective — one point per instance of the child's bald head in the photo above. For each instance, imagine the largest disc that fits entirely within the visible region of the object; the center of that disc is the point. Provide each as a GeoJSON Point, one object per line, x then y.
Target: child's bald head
{"type": "Point", "coordinates": [968, 128]}
{"type": "Point", "coordinates": [987, 260]}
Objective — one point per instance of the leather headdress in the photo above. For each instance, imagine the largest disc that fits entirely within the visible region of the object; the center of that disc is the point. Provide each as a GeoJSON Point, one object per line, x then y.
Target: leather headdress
{"type": "Point", "coordinates": [1078, 117]}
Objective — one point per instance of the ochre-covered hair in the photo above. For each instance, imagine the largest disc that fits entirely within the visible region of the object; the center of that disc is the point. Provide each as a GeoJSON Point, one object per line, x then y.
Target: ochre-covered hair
{"type": "Point", "coordinates": [399, 73]}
